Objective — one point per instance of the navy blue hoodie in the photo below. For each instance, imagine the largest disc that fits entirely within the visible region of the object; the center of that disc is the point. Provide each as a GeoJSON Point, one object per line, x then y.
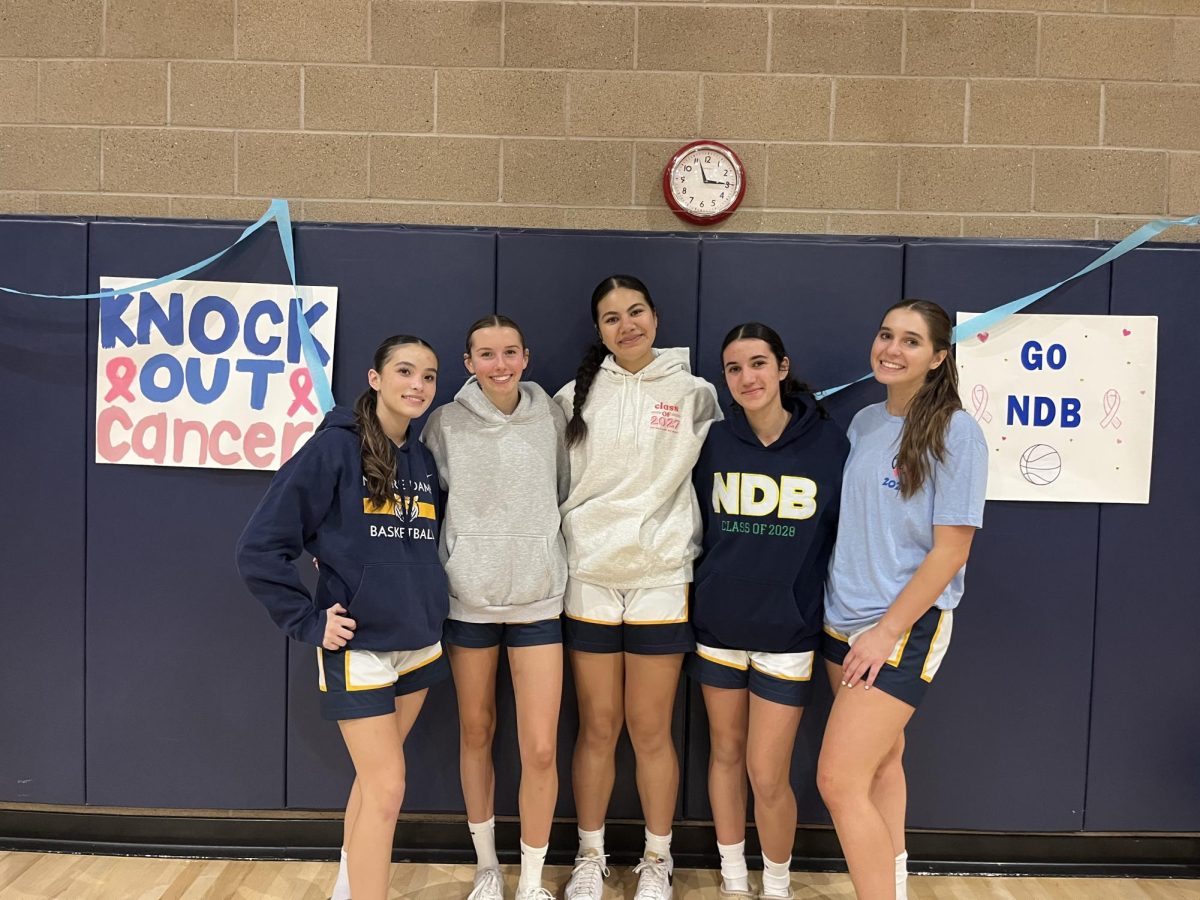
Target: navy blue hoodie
{"type": "Point", "coordinates": [770, 517]}
{"type": "Point", "coordinates": [381, 563]}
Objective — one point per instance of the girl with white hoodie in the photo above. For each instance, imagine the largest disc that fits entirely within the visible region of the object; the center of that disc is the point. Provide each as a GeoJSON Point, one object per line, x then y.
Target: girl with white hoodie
{"type": "Point", "coordinates": [500, 455]}
{"type": "Point", "coordinates": [638, 418]}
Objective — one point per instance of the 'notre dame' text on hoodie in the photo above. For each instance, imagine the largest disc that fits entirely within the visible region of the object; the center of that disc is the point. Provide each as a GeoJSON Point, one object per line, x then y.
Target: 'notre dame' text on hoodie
{"type": "Point", "coordinates": [380, 562]}
{"type": "Point", "coordinates": [770, 518]}
{"type": "Point", "coordinates": [505, 475]}
{"type": "Point", "coordinates": [631, 519]}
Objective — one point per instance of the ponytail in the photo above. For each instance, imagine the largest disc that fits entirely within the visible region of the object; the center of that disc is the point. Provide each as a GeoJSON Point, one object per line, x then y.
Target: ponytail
{"type": "Point", "coordinates": [592, 358]}
{"type": "Point", "coordinates": [378, 456]}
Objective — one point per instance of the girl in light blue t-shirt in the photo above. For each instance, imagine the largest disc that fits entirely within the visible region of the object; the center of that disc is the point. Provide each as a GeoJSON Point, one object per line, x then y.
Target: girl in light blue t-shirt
{"type": "Point", "coordinates": [912, 498]}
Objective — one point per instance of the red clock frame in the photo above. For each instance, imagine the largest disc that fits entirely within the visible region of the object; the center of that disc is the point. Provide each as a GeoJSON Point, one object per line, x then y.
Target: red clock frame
{"type": "Point", "coordinates": [690, 216]}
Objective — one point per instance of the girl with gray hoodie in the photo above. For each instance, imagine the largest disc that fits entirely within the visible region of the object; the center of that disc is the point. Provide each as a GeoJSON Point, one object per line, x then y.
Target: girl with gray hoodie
{"type": "Point", "coordinates": [501, 458]}
{"type": "Point", "coordinates": [632, 527]}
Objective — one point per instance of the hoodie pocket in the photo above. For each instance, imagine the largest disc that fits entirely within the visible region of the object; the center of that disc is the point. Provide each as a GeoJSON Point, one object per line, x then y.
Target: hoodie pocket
{"type": "Point", "coordinates": [401, 605]}
{"type": "Point", "coordinates": [500, 570]}
{"type": "Point", "coordinates": [749, 614]}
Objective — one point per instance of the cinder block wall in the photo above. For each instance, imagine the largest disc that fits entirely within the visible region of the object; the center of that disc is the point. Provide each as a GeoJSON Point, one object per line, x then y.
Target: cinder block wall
{"type": "Point", "coordinates": [1040, 118]}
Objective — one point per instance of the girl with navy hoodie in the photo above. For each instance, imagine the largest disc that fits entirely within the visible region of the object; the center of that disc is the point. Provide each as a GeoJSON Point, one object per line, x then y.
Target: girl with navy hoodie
{"type": "Point", "coordinates": [500, 454]}
{"type": "Point", "coordinates": [362, 497]}
{"type": "Point", "coordinates": [913, 498]}
{"type": "Point", "coordinates": [769, 481]}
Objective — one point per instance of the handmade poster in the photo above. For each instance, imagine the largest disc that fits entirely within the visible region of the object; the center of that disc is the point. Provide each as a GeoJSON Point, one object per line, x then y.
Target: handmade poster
{"type": "Point", "coordinates": [1066, 404]}
{"type": "Point", "coordinates": [208, 374]}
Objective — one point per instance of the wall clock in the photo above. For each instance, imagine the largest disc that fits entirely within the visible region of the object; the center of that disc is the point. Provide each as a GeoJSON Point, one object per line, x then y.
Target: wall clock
{"type": "Point", "coordinates": [704, 182]}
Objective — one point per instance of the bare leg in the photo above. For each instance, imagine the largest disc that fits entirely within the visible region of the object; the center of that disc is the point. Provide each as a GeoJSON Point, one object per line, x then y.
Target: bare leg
{"type": "Point", "coordinates": [650, 686]}
{"type": "Point", "coordinates": [599, 685]}
{"type": "Point", "coordinates": [769, 760]}
{"type": "Point", "coordinates": [376, 746]}
{"type": "Point", "coordinates": [728, 722]}
{"type": "Point", "coordinates": [864, 727]}
{"type": "Point", "coordinates": [474, 670]}
{"type": "Point", "coordinates": [537, 674]}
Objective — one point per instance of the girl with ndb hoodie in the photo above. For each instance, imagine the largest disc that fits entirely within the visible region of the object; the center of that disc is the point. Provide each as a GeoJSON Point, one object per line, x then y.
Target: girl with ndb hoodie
{"type": "Point", "coordinates": [362, 497]}
{"type": "Point", "coordinates": [500, 454]}
{"type": "Point", "coordinates": [912, 499]}
{"type": "Point", "coordinates": [769, 480]}
{"type": "Point", "coordinates": [637, 420]}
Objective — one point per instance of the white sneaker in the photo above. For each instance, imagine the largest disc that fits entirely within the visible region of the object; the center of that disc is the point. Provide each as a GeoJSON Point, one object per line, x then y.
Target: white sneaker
{"type": "Point", "coordinates": [654, 878]}
{"type": "Point", "coordinates": [587, 880]}
{"type": "Point", "coordinates": [534, 893]}
{"type": "Point", "coordinates": [741, 895]}
{"type": "Point", "coordinates": [488, 886]}
{"type": "Point", "coordinates": [765, 896]}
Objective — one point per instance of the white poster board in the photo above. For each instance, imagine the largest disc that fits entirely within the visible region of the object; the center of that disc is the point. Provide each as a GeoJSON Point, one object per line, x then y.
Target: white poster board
{"type": "Point", "coordinates": [207, 374]}
{"type": "Point", "coordinates": [1066, 404]}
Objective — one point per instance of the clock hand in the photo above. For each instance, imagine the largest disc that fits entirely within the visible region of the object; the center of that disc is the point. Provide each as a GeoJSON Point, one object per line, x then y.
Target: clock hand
{"type": "Point", "coordinates": [704, 177]}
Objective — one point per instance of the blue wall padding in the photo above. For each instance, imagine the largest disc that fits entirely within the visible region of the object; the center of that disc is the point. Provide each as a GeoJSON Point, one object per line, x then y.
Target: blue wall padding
{"type": "Point", "coordinates": [1014, 689]}
{"type": "Point", "coordinates": [44, 383]}
{"type": "Point", "coordinates": [1143, 761]}
{"type": "Point", "coordinates": [193, 699]}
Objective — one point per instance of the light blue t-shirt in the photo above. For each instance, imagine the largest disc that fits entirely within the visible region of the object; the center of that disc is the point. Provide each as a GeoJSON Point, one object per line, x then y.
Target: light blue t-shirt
{"type": "Point", "coordinates": [883, 538]}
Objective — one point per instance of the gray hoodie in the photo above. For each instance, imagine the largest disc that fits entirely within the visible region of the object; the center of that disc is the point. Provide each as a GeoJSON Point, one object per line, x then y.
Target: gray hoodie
{"type": "Point", "coordinates": [501, 545]}
{"type": "Point", "coordinates": [631, 519]}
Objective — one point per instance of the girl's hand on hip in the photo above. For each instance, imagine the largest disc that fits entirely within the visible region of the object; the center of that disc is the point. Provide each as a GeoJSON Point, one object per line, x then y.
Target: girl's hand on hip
{"type": "Point", "coordinates": [867, 656]}
{"type": "Point", "coordinates": [339, 628]}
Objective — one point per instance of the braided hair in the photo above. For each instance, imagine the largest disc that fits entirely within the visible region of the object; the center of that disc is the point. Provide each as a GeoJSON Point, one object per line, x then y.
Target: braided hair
{"type": "Point", "coordinates": [596, 351]}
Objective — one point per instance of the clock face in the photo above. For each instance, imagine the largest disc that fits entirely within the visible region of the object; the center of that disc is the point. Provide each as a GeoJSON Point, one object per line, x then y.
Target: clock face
{"type": "Point", "coordinates": [704, 182]}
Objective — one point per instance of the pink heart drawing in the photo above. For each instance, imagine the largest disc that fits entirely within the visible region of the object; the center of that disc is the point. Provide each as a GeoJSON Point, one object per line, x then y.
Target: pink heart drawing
{"type": "Point", "coordinates": [983, 336]}
{"type": "Point", "coordinates": [1003, 438]}
{"type": "Point", "coordinates": [1126, 332]}
{"type": "Point", "coordinates": [1141, 392]}
{"type": "Point", "coordinates": [1119, 441]}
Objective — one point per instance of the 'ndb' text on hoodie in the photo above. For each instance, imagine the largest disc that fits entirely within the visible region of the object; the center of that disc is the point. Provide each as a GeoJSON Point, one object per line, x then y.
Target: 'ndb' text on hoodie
{"type": "Point", "coordinates": [631, 519]}
{"type": "Point", "coordinates": [379, 562]}
{"type": "Point", "coordinates": [505, 475]}
{"type": "Point", "coordinates": [770, 518]}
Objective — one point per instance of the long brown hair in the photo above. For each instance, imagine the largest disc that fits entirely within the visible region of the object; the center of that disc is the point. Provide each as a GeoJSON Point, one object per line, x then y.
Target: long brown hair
{"type": "Point", "coordinates": [378, 452]}
{"type": "Point", "coordinates": [596, 351]}
{"type": "Point", "coordinates": [923, 436]}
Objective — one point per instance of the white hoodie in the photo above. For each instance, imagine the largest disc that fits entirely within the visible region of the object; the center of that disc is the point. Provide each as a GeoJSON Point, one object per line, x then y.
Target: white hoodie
{"type": "Point", "coordinates": [631, 519]}
{"type": "Point", "coordinates": [505, 475]}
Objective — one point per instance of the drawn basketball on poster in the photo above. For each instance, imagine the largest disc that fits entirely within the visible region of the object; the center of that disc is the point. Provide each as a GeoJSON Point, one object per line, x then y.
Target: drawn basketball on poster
{"type": "Point", "coordinates": [1040, 464]}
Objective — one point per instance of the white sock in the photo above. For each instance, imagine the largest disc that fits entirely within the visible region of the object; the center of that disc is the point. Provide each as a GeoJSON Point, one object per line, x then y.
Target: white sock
{"type": "Point", "coordinates": [591, 840]}
{"type": "Point", "coordinates": [483, 836]}
{"type": "Point", "coordinates": [658, 844]}
{"type": "Point", "coordinates": [532, 860]}
{"type": "Point", "coordinates": [734, 874]}
{"type": "Point", "coordinates": [777, 878]}
{"type": "Point", "coordinates": [902, 876]}
{"type": "Point", "coordinates": [341, 887]}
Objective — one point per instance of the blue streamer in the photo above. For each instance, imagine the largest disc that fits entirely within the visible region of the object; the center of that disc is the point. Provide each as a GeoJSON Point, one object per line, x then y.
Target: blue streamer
{"type": "Point", "coordinates": [993, 317]}
{"type": "Point", "coordinates": [279, 213]}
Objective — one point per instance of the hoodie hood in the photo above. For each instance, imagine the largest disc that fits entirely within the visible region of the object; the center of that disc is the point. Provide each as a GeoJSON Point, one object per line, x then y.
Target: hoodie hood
{"type": "Point", "coordinates": [666, 362]}
{"type": "Point", "coordinates": [804, 416]}
{"type": "Point", "coordinates": [340, 417]}
{"type": "Point", "coordinates": [672, 361]}
{"type": "Point", "coordinates": [533, 404]}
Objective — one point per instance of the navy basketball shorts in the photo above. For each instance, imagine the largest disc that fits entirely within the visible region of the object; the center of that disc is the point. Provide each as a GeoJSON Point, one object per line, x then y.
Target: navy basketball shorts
{"type": "Point", "coordinates": [358, 684]}
{"type": "Point", "coordinates": [478, 635]}
{"type": "Point", "coordinates": [641, 620]}
{"type": "Point", "coordinates": [784, 678]}
{"type": "Point", "coordinates": [915, 659]}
